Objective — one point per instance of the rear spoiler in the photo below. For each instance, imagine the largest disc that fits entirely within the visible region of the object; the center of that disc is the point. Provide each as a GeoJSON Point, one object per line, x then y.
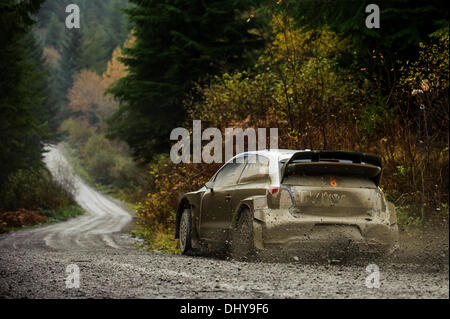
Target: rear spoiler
{"type": "Point", "coordinates": [335, 157]}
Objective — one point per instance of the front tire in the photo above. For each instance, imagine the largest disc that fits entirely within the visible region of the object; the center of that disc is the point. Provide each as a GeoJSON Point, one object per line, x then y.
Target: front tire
{"type": "Point", "coordinates": [243, 246]}
{"type": "Point", "coordinates": [185, 229]}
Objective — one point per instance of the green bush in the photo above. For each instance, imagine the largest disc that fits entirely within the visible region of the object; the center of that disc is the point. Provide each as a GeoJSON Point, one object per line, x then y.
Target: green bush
{"type": "Point", "coordinates": [61, 214]}
{"type": "Point", "coordinates": [102, 161]}
{"type": "Point", "coordinates": [108, 162]}
{"type": "Point", "coordinates": [99, 165]}
{"type": "Point", "coordinates": [31, 189]}
{"type": "Point", "coordinates": [78, 131]}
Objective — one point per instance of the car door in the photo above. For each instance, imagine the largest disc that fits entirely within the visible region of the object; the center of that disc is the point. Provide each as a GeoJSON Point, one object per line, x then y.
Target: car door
{"type": "Point", "coordinates": [216, 202]}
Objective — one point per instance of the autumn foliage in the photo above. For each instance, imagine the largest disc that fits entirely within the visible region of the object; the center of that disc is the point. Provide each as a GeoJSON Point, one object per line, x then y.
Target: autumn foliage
{"type": "Point", "coordinates": [21, 218]}
{"type": "Point", "coordinates": [107, 162]}
{"type": "Point", "coordinates": [299, 86]}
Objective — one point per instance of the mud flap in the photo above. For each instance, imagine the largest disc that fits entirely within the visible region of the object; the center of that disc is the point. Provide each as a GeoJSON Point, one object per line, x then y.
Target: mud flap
{"type": "Point", "coordinates": [257, 235]}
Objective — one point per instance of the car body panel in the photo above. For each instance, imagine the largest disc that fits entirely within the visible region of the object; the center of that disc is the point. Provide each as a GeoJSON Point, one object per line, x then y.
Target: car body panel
{"type": "Point", "coordinates": [281, 229]}
{"type": "Point", "coordinates": [215, 213]}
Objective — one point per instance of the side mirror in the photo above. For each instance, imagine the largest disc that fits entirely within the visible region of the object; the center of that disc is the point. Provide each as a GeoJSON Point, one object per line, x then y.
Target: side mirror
{"type": "Point", "coordinates": [209, 186]}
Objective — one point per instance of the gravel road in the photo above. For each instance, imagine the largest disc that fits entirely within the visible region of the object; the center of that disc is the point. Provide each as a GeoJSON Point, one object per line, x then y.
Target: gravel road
{"type": "Point", "coordinates": [33, 264]}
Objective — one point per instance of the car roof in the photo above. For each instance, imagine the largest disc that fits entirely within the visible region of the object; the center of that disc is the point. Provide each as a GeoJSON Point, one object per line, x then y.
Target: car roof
{"type": "Point", "coordinates": [278, 154]}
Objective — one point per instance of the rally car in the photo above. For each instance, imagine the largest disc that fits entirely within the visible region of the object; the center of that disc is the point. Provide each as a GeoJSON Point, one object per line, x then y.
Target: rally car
{"type": "Point", "coordinates": [288, 200]}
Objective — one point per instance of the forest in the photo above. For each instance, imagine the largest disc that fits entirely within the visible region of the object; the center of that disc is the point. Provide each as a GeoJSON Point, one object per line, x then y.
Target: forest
{"type": "Point", "coordinates": [113, 90]}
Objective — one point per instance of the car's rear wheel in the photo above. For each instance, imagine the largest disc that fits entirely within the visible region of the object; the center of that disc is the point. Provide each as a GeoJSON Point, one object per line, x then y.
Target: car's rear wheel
{"type": "Point", "coordinates": [243, 246]}
{"type": "Point", "coordinates": [185, 229]}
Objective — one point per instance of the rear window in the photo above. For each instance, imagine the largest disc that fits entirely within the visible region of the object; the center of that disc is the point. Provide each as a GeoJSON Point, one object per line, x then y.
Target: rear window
{"type": "Point", "coordinates": [256, 171]}
{"type": "Point", "coordinates": [228, 175]}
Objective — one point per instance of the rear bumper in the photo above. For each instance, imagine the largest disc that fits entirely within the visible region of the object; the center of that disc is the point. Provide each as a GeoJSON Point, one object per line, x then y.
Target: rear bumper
{"type": "Point", "coordinates": [279, 230]}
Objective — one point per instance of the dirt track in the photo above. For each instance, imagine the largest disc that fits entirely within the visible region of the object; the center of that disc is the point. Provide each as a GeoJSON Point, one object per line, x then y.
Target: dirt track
{"type": "Point", "coordinates": [33, 264]}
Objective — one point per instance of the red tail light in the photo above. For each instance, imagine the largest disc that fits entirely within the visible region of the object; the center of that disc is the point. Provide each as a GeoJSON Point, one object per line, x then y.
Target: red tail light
{"type": "Point", "coordinates": [274, 190]}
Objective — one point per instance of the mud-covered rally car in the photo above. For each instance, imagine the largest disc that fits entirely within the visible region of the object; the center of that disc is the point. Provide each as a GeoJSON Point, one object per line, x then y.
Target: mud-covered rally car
{"type": "Point", "coordinates": [287, 200]}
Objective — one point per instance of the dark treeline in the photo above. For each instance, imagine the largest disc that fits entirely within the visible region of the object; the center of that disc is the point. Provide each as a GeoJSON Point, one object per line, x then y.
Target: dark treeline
{"type": "Point", "coordinates": [103, 28]}
{"type": "Point", "coordinates": [24, 110]}
{"type": "Point", "coordinates": [27, 114]}
{"type": "Point", "coordinates": [403, 25]}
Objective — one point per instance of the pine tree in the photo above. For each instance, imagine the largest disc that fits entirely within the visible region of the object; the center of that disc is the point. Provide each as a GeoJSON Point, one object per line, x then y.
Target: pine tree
{"type": "Point", "coordinates": [103, 26]}
{"type": "Point", "coordinates": [94, 49]}
{"type": "Point", "coordinates": [116, 25]}
{"type": "Point", "coordinates": [40, 85]}
{"type": "Point", "coordinates": [403, 25]}
{"type": "Point", "coordinates": [178, 42]}
{"type": "Point", "coordinates": [70, 58]}
{"type": "Point", "coordinates": [22, 92]}
{"type": "Point", "coordinates": [55, 29]}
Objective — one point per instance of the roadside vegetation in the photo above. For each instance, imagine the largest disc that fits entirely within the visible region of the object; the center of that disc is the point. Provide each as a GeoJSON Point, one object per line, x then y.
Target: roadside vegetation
{"type": "Point", "coordinates": [34, 197]}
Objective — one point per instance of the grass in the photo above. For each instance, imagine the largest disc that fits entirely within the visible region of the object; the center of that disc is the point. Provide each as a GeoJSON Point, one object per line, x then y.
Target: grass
{"type": "Point", "coordinates": [417, 215]}
{"type": "Point", "coordinates": [62, 214]}
{"type": "Point", "coordinates": [75, 160]}
{"type": "Point", "coordinates": [405, 217]}
{"type": "Point", "coordinates": [157, 240]}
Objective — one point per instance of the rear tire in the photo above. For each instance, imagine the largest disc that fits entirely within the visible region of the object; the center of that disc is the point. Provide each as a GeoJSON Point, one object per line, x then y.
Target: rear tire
{"type": "Point", "coordinates": [242, 245]}
{"type": "Point", "coordinates": [185, 229]}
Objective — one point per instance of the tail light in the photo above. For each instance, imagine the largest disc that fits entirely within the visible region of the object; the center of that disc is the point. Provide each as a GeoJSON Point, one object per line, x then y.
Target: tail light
{"type": "Point", "coordinates": [274, 190]}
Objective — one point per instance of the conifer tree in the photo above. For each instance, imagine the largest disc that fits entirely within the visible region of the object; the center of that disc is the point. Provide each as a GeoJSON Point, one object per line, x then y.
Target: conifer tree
{"type": "Point", "coordinates": [70, 58]}
{"type": "Point", "coordinates": [23, 122]}
{"type": "Point", "coordinates": [178, 42]}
